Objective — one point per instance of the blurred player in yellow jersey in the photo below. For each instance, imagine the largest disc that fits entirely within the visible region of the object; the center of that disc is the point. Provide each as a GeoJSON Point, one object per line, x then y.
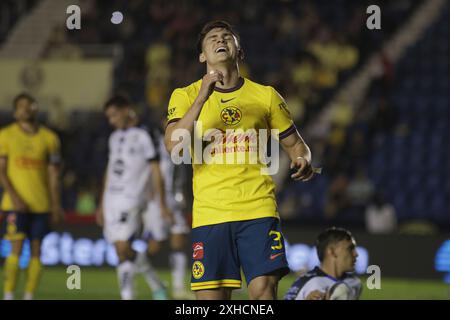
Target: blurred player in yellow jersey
{"type": "Point", "coordinates": [29, 175]}
{"type": "Point", "coordinates": [235, 219]}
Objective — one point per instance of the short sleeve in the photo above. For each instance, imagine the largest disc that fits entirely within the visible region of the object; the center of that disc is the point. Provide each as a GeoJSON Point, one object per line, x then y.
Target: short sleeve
{"type": "Point", "coordinates": [149, 148]}
{"type": "Point", "coordinates": [4, 148]}
{"type": "Point", "coordinates": [54, 149]}
{"type": "Point", "coordinates": [178, 105]}
{"type": "Point", "coordinates": [280, 117]}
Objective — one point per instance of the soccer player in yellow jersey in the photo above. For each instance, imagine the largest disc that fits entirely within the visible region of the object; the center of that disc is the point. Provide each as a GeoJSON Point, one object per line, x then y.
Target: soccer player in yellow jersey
{"type": "Point", "coordinates": [235, 218]}
{"type": "Point", "coordinates": [29, 175]}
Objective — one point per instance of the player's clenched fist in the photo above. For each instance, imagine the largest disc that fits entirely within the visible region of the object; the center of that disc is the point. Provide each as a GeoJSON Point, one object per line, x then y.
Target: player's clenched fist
{"type": "Point", "coordinates": [208, 82]}
{"type": "Point", "coordinates": [304, 170]}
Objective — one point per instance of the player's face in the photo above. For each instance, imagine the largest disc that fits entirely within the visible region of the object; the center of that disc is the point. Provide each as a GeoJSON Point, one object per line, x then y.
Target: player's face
{"type": "Point", "coordinates": [117, 117]}
{"type": "Point", "coordinates": [346, 255]}
{"type": "Point", "coordinates": [219, 45]}
{"type": "Point", "coordinates": [25, 110]}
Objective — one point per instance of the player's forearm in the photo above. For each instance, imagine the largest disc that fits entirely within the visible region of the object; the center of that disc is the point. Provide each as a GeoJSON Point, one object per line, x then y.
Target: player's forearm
{"type": "Point", "coordinates": [301, 149]}
{"type": "Point", "coordinates": [7, 185]}
{"type": "Point", "coordinates": [54, 186]}
{"type": "Point", "coordinates": [5, 182]}
{"type": "Point", "coordinates": [102, 189]}
{"type": "Point", "coordinates": [296, 147]}
{"type": "Point", "coordinates": [185, 123]}
{"type": "Point", "coordinates": [158, 184]}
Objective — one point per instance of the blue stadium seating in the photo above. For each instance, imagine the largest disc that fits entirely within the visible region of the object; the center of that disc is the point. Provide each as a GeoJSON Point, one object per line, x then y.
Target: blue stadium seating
{"type": "Point", "coordinates": [418, 168]}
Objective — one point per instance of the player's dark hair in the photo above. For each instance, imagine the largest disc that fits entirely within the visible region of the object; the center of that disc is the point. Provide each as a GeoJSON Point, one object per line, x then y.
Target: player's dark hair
{"type": "Point", "coordinates": [21, 96]}
{"type": "Point", "coordinates": [119, 101]}
{"type": "Point", "coordinates": [330, 236]}
{"type": "Point", "coordinates": [217, 24]}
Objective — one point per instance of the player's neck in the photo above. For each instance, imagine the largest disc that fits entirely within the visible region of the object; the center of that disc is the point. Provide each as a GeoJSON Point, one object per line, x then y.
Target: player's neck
{"type": "Point", "coordinates": [230, 73]}
{"type": "Point", "coordinates": [331, 270]}
{"type": "Point", "coordinates": [131, 123]}
{"type": "Point", "coordinates": [29, 127]}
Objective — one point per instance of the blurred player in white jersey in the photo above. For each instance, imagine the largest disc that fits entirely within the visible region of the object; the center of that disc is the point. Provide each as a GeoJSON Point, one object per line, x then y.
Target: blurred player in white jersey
{"type": "Point", "coordinates": [334, 279]}
{"type": "Point", "coordinates": [156, 228]}
{"type": "Point", "coordinates": [132, 164]}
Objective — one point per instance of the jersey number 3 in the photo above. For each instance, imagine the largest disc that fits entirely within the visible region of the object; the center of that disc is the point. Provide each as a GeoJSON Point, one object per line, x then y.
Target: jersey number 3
{"type": "Point", "coordinates": [277, 238]}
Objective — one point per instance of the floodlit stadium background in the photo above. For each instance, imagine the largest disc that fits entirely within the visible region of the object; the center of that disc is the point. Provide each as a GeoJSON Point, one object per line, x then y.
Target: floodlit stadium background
{"type": "Point", "coordinates": [374, 106]}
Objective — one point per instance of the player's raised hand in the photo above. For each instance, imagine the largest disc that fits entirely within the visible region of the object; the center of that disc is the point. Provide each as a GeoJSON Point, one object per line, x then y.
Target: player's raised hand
{"type": "Point", "coordinates": [208, 82]}
{"type": "Point", "coordinates": [304, 170]}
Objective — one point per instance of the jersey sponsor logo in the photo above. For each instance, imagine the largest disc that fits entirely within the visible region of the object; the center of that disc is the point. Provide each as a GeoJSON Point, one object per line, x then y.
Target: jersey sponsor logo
{"type": "Point", "coordinates": [123, 217]}
{"type": "Point", "coordinates": [234, 136]}
{"type": "Point", "coordinates": [228, 100]}
{"type": "Point", "coordinates": [231, 115]}
{"type": "Point", "coordinates": [197, 250]}
{"type": "Point", "coordinates": [198, 270]}
{"type": "Point", "coordinates": [29, 163]}
{"type": "Point", "coordinates": [118, 167]}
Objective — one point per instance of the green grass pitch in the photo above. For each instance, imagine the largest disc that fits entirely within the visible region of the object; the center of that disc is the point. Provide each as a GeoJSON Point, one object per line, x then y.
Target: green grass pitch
{"type": "Point", "coordinates": [101, 283]}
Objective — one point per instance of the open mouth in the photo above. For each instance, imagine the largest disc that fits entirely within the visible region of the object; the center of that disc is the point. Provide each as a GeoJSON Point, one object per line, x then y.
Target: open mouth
{"type": "Point", "coordinates": [221, 49]}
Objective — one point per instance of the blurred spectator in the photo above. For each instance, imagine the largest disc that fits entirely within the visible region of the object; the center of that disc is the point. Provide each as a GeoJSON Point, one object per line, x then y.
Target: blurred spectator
{"type": "Point", "coordinates": [357, 149]}
{"type": "Point", "coordinates": [380, 216]}
{"type": "Point", "coordinates": [158, 58]}
{"type": "Point", "coordinates": [335, 55]}
{"type": "Point", "coordinates": [360, 190]}
{"type": "Point", "coordinates": [59, 47]}
{"type": "Point", "coordinates": [337, 200]}
{"type": "Point", "coordinates": [57, 115]}
{"type": "Point", "coordinates": [384, 118]}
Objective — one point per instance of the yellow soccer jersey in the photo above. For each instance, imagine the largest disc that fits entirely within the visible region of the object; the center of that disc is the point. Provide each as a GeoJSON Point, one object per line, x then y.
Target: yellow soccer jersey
{"type": "Point", "coordinates": [225, 192]}
{"type": "Point", "coordinates": [27, 158]}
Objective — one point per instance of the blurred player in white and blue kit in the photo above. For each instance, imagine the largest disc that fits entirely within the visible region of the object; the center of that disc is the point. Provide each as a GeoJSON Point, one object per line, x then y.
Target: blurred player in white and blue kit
{"type": "Point", "coordinates": [133, 164]}
{"type": "Point", "coordinates": [156, 227]}
{"type": "Point", "coordinates": [334, 278]}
